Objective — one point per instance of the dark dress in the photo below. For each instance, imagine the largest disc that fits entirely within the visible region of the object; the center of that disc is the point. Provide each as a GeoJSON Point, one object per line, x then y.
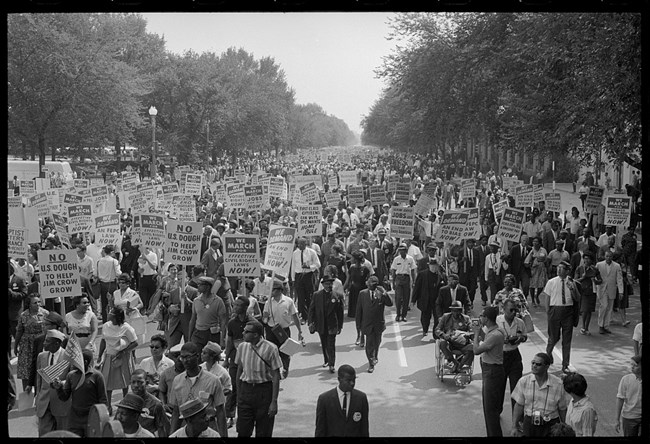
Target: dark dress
{"type": "Point", "coordinates": [338, 262]}
{"type": "Point", "coordinates": [358, 277]}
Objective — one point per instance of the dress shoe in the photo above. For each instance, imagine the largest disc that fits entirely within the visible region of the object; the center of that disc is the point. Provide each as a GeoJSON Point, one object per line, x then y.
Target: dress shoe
{"type": "Point", "coordinates": [608, 331]}
{"type": "Point", "coordinates": [231, 422]}
{"type": "Point", "coordinates": [325, 364]}
{"type": "Point", "coordinates": [397, 318]}
{"type": "Point", "coordinates": [602, 331]}
{"type": "Point", "coordinates": [362, 344]}
{"type": "Point", "coordinates": [371, 369]}
{"type": "Point", "coordinates": [331, 369]}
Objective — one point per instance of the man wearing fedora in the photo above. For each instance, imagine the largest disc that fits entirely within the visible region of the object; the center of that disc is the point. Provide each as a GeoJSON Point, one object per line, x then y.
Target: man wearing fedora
{"type": "Point", "coordinates": [342, 411]}
{"type": "Point", "coordinates": [128, 414]}
{"type": "Point", "coordinates": [426, 292]}
{"type": "Point", "coordinates": [454, 332]}
{"type": "Point", "coordinates": [326, 318]}
{"type": "Point", "coordinates": [51, 411]}
{"type": "Point", "coordinates": [197, 419]}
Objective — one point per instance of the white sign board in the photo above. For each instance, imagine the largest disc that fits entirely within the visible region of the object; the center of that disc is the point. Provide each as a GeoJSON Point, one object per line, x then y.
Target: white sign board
{"type": "Point", "coordinates": [17, 245]}
{"type": "Point", "coordinates": [241, 255]}
{"type": "Point", "coordinates": [511, 224]}
{"type": "Point", "coordinates": [401, 224]}
{"type": "Point", "coordinates": [310, 220]}
{"type": "Point", "coordinates": [59, 273]}
{"type": "Point", "coordinates": [279, 249]}
{"type": "Point", "coordinates": [618, 210]}
{"type": "Point", "coordinates": [452, 226]}
{"type": "Point", "coordinates": [183, 242]}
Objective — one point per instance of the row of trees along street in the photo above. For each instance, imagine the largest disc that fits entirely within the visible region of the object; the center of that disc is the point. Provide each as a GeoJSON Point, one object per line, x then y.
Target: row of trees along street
{"type": "Point", "coordinates": [88, 80]}
{"type": "Point", "coordinates": [555, 84]}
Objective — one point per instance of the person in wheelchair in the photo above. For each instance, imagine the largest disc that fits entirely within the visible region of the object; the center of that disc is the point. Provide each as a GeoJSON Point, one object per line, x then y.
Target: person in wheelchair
{"type": "Point", "coordinates": [454, 333]}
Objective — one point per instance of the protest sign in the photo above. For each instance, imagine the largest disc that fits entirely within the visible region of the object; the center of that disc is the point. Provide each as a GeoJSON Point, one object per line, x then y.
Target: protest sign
{"type": "Point", "coordinates": [310, 220]}
{"type": "Point", "coordinates": [254, 195]}
{"type": "Point", "coordinates": [17, 245]}
{"type": "Point", "coordinates": [355, 195]}
{"type": "Point", "coordinates": [310, 193]}
{"type": "Point", "coordinates": [511, 223]}
{"type": "Point", "coordinates": [392, 182]}
{"type": "Point", "coordinates": [241, 175]}
{"type": "Point", "coordinates": [42, 184]}
{"type": "Point", "coordinates": [279, 249]}
{"type": "Point", "coordinates": [81, 183]}
{"type": "Point", "coordinates": [618, 210]}
{"type": "Point", "coordinates": [15, 202]}
{"type": "Point", "coordinates": [553, 202]}
{"type": "Point", "coordinates": [452, 226]}
{"type": "Point", "coordinates": [277, 187]}
{"type": "Point", "coordinates": [26, 217]}
{"type": "Point", "coordinates": [473, 227]}
{"type": "Point", "coordinates": [403, 193]}
{"type": "Point", "coordinates": [183, 208]}
{"type": "Point", "coordinates": [467, 189]}
{"type": "Point", "coordinates": [107, 229]}
{"type": "Point", "coordinates": [136, 230]}
{"type": "Point", "coordinates": [524, 195]}
{"type": "Point", "coordinates": [53, 200]}
{"type": "Point", "coordinates": [183, 242]}
{"type": "Point", "coordinates": [61, 227]}
{"type": "Point", "coordinates": [347, 178]}
{"type": "Point", "coordinates": [305, 179]}
{"type": "Point", "coordinates": [594, 199]}
{"type": "Point", "coordinates": [59, 273]}
{"type": "Point", "coordinates": [424, 204]}
{"type": "Point", "coordinates": [332, 199]}
{"type": "Point", "coordinates": [333, 181]}
{"type": "Point", "coordinates": [27, 187]}
{"type": "Point", "coordinates": [138, 202]}
{"type": "Point", "coordinates": [193, 184]}
{"type": "Point", "coordinates": [538, 194]}
{"type": "Point", "coordinates": [40, 202]}
{"type": "Point", "coordinates": [241, 255]}
{"type": "Point", "coordinates": [96, 180]}
{"type": "Point", "coordinates": [99, 195]}
{"type": "Point", "coordinates": [377, 194]}
{"type": "Point", "coordinates": [497, 208]}
{"type": "Point", "coordinates": [235, 195]}
{"type": "Point", "coordinates": [402, 219]}
{"type": "Point", "coordinates": [80, 218]}
{"type": "Point", "coordinates": [508, 182]}
{"type": "Point", "coordinates": [220, 193]}
{"type": "Point", "coordinates": [153, 230]}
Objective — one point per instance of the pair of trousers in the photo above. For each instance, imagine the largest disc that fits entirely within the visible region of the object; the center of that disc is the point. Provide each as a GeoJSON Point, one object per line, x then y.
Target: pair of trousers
{"type": "Point", "coordinates": [373, 341]}
{"type": "Point", "coordinates": [106, 290]}
{"type": "Point", "coordinates": [48, 422]}
{"type": "Point", "coordinates": [493, 389]}
{"type": "Point", "coordinates": [147, 288]}
{"type": "Point", "coordinates": [328, 345]}
{"type": "Point", "coordinates": [631, 427]}
{"type": "Point", "coordinates": [605, 311]}
{"type": "Point", "coordinates": [523, 282]}
{"type": "Point", "coordinates": [270, 336]}
{"type": "Point", "coordinates": [496, 284]}
{"type": "Point", "coordinates": [201, 337]}
{"type": "Point", "coordinates": [544, 429]}
{"type": "Point", "coordinates": [483, 287]}
{"type": "Point", "coordinates": [253, 410]}
{"type": "Point", "coordinates": [467, 350]}
{"type": "Point", "coordinates": [513, 368]}
{"type": "Point", "coordinates": [304, 288]}
{"type": "Point", "coordinates": [471, 284]}
{"type": "Point", "coordinates": [402, 294]}
{"type": "Point", "coordinates": [426, 315]}
{"type": "Point", "coordinates": [231, 398]}
{"type": "Point", "coordinates": [560, 322]}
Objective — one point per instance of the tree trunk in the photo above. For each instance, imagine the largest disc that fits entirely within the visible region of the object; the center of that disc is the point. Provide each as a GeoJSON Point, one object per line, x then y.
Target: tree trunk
{"type": "Point", "coordinates": [53, 153]}
{"type": "Point", "coordinates": [32, 150]}
{"type": "Point", "coordinates": [41, 155]}
{"type": "Point", "coordinates": [118, 154]}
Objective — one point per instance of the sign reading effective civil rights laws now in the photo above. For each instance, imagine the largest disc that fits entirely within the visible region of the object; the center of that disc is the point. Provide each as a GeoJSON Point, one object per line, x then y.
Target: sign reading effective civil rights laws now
{"type": "Point", "coordinates": [80, 218]}
{"type": "Point", "coordinates": [183, 242]}
{"type": "Point", "coordinates": [153, 230]}
{"type": "Point", "coordinates": [59, 271]}
{"type": "Point", "coordinates": [279, 249]}
{"type": "Point", "coordinates": [241, 255]}
{"type": "Point", "coordinates": [618, 210]}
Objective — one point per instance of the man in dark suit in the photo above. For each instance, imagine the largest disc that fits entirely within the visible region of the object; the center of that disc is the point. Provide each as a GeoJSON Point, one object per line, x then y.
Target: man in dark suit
{"type": "Point", "coordinates": [370, 318]}
{"type": "Point", "coordinates": [206, 238]}
{"type": "Point", "coordinates": [569, 245]}
{"type": "Point", "coordinates": [518, 254]}
{"type": "Point", "coordinates": [386, 245]}
{"type": "Point", "coordinates": [483, 251]}
{"type": "Point", "coordinates": [50, 410]}
{"type": "Point", "coordinates": [377, 258]}
{"type": "Point", "coordinates": [326, 315]}
{"type": "Point", "coordinates": [423, 264]}
{"type": "Point", "coordinates": [450, 293]}
{"type": "Point", "coordinates": [212, 259]}
{"type": "Point", "coordinates": [469, 269]}
{"type": "Point", "coordinates": [343, 411]}
{"type": "Point", "coordinates": [550, 236]}
{"type": "Point", "coordinates": [425, 293]}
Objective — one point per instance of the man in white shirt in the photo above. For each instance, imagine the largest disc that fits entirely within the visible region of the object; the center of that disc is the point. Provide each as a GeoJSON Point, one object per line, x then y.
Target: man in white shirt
{"type": "Point", "coordinates": [305, 265]}
{"type": "Point", "coordinates": [603, 240]}
{"type": "Point", "coordinates": [402, 270]}
{"type": "Point", "coordinates": [108, 269]}
{"type": "Point", "coordinates": [493, 270]}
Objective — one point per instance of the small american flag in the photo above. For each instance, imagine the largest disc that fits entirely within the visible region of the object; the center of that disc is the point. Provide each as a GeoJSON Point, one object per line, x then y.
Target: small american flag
{"type": "Point", "coordinates": [73, 352]}
{"type": "Point", "coordinates": [53, 371]}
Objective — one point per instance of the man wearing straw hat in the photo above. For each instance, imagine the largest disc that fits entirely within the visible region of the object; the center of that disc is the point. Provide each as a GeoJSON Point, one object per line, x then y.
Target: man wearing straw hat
{"type": "Point", "coordinates": [128, 414]}
{"type": "Point", "coordinates": [51, 411]}
{"type": "Point", "coordinates": [197, 416]}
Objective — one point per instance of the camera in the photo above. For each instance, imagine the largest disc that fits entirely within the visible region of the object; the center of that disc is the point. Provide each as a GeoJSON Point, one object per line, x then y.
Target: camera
{"type": "Point", "coordinates": [537, 418]}
{"type": "Point", "coordinates": [512, 340]}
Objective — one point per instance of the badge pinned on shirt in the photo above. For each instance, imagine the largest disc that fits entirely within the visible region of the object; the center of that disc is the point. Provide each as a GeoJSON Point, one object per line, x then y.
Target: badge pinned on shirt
{"type": "Point", "coordinates": [356, 417]}
{"type": "Point", "coordinates": [333, 301]}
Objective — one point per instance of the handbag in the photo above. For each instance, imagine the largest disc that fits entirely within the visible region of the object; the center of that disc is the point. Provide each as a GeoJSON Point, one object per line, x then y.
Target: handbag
{"type": "Point", "coordinates": [277, 330]}
{"type": "Point", "coordinates": [528, 322]}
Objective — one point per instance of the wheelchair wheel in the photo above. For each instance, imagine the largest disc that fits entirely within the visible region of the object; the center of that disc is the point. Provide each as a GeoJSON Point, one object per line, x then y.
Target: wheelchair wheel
{"type": "Point", "coordinates": [440, 369]}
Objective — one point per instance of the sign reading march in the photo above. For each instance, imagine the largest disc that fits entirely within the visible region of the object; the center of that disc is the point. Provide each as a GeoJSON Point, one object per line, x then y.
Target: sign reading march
{"type": "Point", "coordinates": [310, 220]}
{"type": "Point", "coordinates": [594, 199]}
{"type": "Point", "coordinates": [617, 210]}
{"type": "Point", "coordinates": [511, 223]}
{"type": "Point", "coordinates": [241, 255]}
{"type": "Point", "coordinates": [107, 229]}
{"type": "Point", "coordinates": [80, 218]}
{"type": "Point", "coordinates": [17, 245]}
{"type": "Point", "coordinates": [279, 249]}
{"type": "Point", "coordinates": [59, 273]}
{"type": "Point", "coordinates": [452, 226]}
{"type": "Point", "coordinates": [153, 230]}
{"type": "Point", "coordinates": [183, 242]}
{"type": "Point", "coordinates": [254, 195]}
{"type": "Point", "coordinates": [401, 224]}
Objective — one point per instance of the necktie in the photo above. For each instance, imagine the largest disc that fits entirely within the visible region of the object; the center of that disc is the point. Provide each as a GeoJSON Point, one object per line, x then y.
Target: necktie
{"type": "Point", "coordinates": [471, 258]}
{"type": "Point", "coordinates": [345, 404]}
{"type": "Point", "coordinates": [51, 358]}
{"type": "Point", "coordinates": [372, 257]}
{"type": "Point", "coordinates": [563, 294]}
{"type": "Point", "coordinates": [302, 257]}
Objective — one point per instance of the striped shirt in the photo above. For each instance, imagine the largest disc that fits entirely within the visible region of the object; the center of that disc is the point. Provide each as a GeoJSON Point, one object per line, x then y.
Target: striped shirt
{"type": "Point", "coordinates": [548, 399]}
{"type": "Point", "coordinates": [254, 370]}
{"type": "Point", "coordinates": [184, 389]}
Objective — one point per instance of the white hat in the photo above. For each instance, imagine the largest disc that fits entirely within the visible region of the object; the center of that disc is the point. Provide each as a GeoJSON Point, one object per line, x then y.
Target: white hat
{"type": "Point", "coordinates": [55, 334]}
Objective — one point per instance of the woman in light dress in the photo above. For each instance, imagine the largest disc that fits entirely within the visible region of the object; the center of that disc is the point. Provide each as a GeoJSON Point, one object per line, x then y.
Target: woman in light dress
{"type": "Point", "coordinates": [129, 300]}
{"type": "Point", "coordinates": [83, 323]}
{"type": "Point", "coordinates": [536, 260]}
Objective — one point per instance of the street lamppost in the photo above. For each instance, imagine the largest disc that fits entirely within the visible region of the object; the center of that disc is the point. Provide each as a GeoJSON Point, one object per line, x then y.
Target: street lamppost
{"type": "Point", "coordinates": [153, 112]}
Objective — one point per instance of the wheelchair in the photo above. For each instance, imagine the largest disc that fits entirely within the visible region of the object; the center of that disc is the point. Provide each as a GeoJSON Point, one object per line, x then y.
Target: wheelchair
{"type": "Point", "coordinates": [461, 377]}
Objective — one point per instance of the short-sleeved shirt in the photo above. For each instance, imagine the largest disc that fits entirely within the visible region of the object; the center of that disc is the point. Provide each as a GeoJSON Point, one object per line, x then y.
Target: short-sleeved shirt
{"type": "Point", "coordinates": [207, 433]}
{"type": "Point", "coordinates": [494, 355]}
{"type": "Point", "coordinates": [630, 389]}
{"type": "Point", "coordinates": [140, 433]}
{"type": "Point", "coordinates": [637, 335]}
{"type": "Point", "coordinates": [517, 326]}
{"type": "Point", "coordinates": [547, 399]}
{"type": "Point", "coordinates": [209, 311]}
{"type": "Point", "coordinates": [220, 372]}
{"type": "Point", "coordinates": [283, 311]}
{"type": "Point", "coordinates": [166, 380]}
{"type": "Point", "coordinates": [148, 365]}
{"type": "Point", "coordinates": [254, 369]}
{"type": "Point", "coordinates": [183, 389]}
{"type": "Point", "coordinates": [235, 332]}
{"type": "Point", "coordinates": [403, 265]}
{"type": "Point", "coordinates": [553, 288]}
{"type": "Point", "coordinates": [582, 417]}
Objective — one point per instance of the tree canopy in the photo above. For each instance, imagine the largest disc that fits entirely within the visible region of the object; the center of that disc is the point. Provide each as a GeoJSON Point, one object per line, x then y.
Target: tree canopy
{"type": "Point", "coordinates": [546, 83]}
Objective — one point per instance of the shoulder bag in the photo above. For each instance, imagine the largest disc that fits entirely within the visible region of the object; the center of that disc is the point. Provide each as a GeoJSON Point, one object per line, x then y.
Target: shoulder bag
{"type": "Point", "coordinates": [277, 330]}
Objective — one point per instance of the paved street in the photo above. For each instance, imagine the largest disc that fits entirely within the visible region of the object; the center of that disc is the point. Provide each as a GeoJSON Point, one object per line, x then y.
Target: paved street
{"type": "Point", "coordinates": [406, 398]}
